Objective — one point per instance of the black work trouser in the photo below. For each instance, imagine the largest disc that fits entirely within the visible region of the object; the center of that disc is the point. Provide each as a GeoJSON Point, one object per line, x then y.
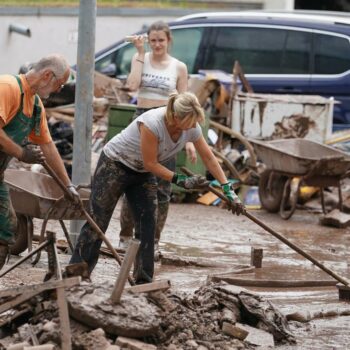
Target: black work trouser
{"type": "Point", "coordinates": [110, 181]}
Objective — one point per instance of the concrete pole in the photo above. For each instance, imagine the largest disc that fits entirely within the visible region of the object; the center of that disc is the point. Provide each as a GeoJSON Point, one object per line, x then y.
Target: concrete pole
{"type": "Point", "coordinates": [83, 101]}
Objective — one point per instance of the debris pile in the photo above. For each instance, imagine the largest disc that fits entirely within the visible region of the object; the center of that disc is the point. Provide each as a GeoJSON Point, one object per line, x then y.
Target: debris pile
{"type": "Point", "coordinates": [216, 316]}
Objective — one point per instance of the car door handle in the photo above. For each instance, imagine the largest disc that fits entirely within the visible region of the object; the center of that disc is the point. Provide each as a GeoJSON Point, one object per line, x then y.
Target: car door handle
{"type": "Point", "coordinates": [289, 89]}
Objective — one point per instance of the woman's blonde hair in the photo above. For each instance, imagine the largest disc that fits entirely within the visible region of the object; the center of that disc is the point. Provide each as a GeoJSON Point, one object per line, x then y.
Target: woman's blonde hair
{"type": "Point", "coordinates": [184, 105]}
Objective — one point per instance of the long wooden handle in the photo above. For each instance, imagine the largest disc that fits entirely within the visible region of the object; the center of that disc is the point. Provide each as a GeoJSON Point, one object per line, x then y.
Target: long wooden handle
{"type": "Point", "coordinates": [88, 218]}
{"type": "Point", "coordinates": [277, 235]}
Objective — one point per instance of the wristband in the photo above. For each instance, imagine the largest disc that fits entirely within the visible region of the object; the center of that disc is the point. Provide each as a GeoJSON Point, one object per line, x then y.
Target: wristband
{"type": "Point", "coordinates": [140, 61]}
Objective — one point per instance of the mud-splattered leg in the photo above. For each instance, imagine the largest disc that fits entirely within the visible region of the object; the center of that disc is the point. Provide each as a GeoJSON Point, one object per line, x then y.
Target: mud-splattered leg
{"type": "Point", "coordinates": [142, 199]}
{"type": "Point", "coordinates": [108, 184]}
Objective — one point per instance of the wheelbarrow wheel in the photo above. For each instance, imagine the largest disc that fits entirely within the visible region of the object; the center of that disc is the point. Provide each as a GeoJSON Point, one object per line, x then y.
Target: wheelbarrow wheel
{"type": "Point", "coordinates": [24, 224]}
{"type": "Point", "coordinates": [271, 187]}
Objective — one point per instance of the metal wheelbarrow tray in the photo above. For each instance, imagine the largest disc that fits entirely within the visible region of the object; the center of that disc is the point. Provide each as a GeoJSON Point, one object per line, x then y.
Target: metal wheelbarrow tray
{"type": "Point", "coordinates": [306, 161]}
{"type": "Point", "coordinates": [36, 195]}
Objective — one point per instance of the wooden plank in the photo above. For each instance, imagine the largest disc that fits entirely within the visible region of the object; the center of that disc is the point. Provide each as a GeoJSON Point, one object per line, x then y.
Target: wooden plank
{"type": "Point", "coordinates": [14, 302]}
{"type": "Point", "coordinates": [64, 319]}
{"type": "Point", "coordinates": [38, 288]}
{"type": "Point", "coordinates": [150, 287]}
{"type": "Point", "coordinates": [207, 198]}
{"type": "Point", "coordinates": [125, 270]}
{"type": "Point", "coordinates": [134, 344]}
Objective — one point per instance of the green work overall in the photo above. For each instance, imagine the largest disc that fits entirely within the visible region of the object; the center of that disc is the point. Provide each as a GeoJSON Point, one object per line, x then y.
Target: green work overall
{"type": "Point", "coordinates": [17, 130]}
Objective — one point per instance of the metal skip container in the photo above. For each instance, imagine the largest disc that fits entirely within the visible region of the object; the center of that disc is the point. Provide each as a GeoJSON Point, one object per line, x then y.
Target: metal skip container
{"type": "Point", "coordinates": [271, 116]}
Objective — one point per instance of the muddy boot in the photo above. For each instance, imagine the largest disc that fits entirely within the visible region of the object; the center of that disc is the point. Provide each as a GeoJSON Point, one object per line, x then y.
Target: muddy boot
{"type": "Point", "coordinates": [4, 253]}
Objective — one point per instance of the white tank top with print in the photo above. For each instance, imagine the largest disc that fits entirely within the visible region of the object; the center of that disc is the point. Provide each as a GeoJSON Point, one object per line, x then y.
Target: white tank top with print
{"type": "Point", "coordinates": [158, 84]}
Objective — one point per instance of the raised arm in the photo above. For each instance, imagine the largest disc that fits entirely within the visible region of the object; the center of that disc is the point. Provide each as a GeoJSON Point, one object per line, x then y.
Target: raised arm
{"type": "Point", "coordinates": [134, 79]}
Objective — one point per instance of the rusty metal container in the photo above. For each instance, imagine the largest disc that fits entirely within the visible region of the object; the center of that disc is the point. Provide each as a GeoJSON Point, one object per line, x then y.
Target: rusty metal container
{"type": "Point", "coordinates": [270, 116]}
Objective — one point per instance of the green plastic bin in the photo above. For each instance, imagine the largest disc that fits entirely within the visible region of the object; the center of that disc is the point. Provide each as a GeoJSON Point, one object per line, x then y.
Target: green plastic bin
{"type": "Point", "coordinates": [120, 116]}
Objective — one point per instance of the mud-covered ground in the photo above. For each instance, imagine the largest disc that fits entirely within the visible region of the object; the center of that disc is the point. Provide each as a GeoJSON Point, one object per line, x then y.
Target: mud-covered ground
{"type": "Point", "coordinates": [194, 230]}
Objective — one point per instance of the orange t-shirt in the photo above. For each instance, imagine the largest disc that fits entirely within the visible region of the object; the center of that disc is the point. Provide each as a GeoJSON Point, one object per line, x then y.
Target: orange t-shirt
{"type": "Point", "coordinates": [10, 101]}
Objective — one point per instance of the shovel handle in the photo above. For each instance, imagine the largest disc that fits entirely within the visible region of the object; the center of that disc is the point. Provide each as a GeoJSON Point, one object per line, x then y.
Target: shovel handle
{"type": "Point", "coordinates": [277, 235]}
{"type": "Point", "coordinates": [88, 218]}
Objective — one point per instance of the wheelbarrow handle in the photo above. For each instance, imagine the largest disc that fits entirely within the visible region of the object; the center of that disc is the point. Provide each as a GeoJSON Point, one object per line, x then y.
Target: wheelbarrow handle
{"type": "Point", "coordinates": [88, 218]}
{"type": "Point", "coordinates": [277, 235]}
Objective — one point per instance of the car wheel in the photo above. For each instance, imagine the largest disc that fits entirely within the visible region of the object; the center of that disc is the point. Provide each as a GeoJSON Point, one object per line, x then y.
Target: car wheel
{"type": "Point", "coordinates": [24, 224]}
{"type": "Point", "coordinates": [271, 187]}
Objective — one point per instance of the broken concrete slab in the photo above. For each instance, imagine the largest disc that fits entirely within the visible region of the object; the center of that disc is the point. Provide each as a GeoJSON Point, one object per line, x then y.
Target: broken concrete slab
{"type": "Point", "coordinates": [235, 330]}
{"type": "Point", "coordinates": [261, 312]}
{"type": "Point", "coordinates": [94, 340]}
{"type": "Point", "coordinates": [336, 218]}
{"type": "Point", "coordinates": [258, 337]}
{"type": "Point", "coordinates": [134, 317]}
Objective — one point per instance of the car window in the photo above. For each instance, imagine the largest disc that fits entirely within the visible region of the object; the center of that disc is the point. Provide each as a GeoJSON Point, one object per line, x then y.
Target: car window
{"type": "Point", "coordinates": [123, 59]}
{"type": "Point", "coordinates": [258, 50]}
{"type": "Point", "coordinates": [332, 54]}
{"type": "Point", "coordinates": [102, 64]}
{"type": "Point", "coordinates": [186, 42]}
{"type": "Point", "coordinates": [261, 50]}
{"type": "Point", "coordinates": [296, 54]}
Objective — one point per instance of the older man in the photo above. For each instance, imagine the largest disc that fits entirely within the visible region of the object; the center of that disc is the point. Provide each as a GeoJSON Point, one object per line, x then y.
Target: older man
{"type": "Point", "coordinates": [23, 119]}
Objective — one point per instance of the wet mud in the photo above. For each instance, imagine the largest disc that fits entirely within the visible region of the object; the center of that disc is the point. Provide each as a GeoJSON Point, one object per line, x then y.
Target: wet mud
{"type": "Point", "coordinates": [197, 231]}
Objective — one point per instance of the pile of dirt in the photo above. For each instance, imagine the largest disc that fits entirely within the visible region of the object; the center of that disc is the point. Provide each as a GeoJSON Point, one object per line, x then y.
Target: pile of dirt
{"type": "Point", "coordinates": [216, 316]}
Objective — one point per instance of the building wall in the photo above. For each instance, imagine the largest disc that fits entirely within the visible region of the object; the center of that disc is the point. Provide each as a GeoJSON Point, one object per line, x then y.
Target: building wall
{"type": "Point", "coordinates": [59, 33]}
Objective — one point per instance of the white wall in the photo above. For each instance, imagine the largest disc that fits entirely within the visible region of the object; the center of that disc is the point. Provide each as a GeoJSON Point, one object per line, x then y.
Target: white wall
{"type": "Point", "coordinates": [279, 5]}
{"type": "Point", "coordinates": [58, 34]}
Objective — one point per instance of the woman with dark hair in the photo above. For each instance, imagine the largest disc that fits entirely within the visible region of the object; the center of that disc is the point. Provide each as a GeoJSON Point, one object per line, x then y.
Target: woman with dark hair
{"type": "Point", "coordinates": [130, 163]}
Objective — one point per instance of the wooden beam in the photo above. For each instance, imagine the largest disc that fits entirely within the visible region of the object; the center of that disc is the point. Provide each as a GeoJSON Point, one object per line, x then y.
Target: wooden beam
{"type": "Point", "coordinates": [150, 287]}
{"type": "Point", "coordinates": [38, 288]}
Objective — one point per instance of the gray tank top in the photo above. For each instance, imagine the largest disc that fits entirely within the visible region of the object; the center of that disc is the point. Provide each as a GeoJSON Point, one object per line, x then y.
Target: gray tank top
{"type": "Point", "coordinates": [126, 146]}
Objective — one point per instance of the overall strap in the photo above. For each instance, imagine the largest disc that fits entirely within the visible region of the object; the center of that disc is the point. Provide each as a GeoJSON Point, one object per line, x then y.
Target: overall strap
{"type": "Point", "coordinates": [21, 88]}
{"type": "Point", "coordinates": [37, 116]}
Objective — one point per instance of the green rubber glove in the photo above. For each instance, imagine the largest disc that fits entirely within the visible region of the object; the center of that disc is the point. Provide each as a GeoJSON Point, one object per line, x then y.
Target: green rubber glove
{"type": "Point", "coordinates": [237, 207]}
{"type": "Point", "coordinates": [190, 182]}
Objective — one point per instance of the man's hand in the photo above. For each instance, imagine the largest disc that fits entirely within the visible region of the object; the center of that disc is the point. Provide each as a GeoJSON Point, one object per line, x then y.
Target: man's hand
{"type": "Point", "coordinates": [74, 193]}
{"type": "Point", "coordinates": [190, 182]}
{"type": "Point", "coordinates": [237, 207]}
{"type": "Point", "coordinates": [32, 154]}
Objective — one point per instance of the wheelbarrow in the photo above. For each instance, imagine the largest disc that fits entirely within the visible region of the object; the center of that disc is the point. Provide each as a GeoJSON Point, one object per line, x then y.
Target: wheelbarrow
{"type": "Point", "coordinates": [291, 163]}
{"type": "Point", "coordinates": [36, 195]}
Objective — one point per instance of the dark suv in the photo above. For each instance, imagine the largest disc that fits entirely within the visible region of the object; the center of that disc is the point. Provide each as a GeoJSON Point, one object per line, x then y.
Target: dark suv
{"type": "Point", "coordinates": [294, 53]}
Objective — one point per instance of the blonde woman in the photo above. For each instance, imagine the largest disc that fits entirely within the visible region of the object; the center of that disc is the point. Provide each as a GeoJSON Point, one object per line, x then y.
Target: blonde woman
{"type": "Point", "coordinates": [155, 74]}
{"type": "Point", "coordinates": [130, 163]}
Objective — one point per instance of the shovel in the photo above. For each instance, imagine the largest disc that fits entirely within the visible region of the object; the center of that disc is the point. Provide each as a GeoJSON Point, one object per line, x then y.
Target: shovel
{"type": "Point", "coordinates": [277, 235]}
{"type": "Point", "coordinates": [88, 218]}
